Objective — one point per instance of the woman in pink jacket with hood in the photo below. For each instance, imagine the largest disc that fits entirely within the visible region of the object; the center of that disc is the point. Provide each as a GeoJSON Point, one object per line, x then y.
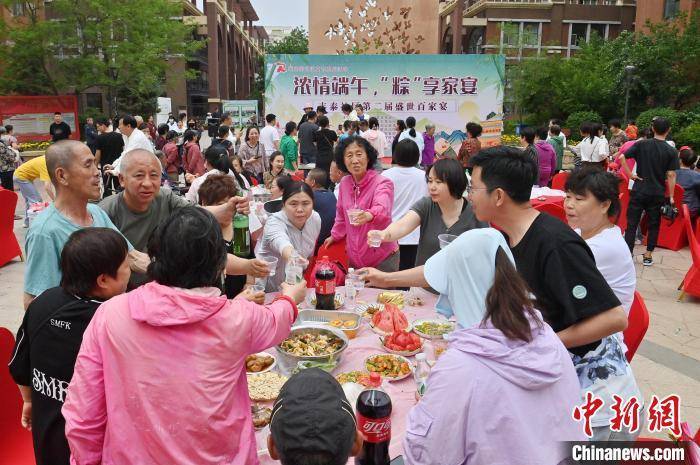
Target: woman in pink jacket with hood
{"type": "Point", "coordinates": [161, 376]}
{"type": "Point", "coordinates": [365, 202]}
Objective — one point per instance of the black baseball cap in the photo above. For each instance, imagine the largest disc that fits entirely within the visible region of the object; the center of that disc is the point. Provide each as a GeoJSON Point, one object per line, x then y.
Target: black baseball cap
{"type": "Point", "coordinates": [312, 414]}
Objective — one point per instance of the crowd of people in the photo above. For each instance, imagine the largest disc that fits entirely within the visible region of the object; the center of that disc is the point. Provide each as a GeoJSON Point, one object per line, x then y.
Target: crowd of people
{"type": "Point", "coordinates": [156, 315]}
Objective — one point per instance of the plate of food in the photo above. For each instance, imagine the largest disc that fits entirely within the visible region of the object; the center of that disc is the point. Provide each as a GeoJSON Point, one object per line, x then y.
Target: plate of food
{"type": "Point", "coordinates": [311, 299]}
{"type": "Point", "coordinates": [261, 416]}
{"type": "Point", "coordinates": [259, 363]}
{"type": "Point", "coordinates": [388, 320]}
{"type": "Point", "coordinates": [390, 366]}
{"type": "Point", "coordinates": [314, 342]}
{"type": "Point", "coordinates": [402, 343]}
{"type": "Point", "coordinates": [359, 377]}
{"type": "Point", "coordinates": [368, 310]}
{"type": "Point", "coordinates": [263, 387]}
{"type": "Point", "coordinates": [432, 328]}
{"type": "Point", "coordinates": [392, 297]}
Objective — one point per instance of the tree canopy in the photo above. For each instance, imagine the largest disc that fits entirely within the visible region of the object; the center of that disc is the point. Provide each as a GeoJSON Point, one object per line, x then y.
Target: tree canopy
{"type": "Point", "coordinates": [666, 61]}
{"type": "Point", "coordinates": [125, 45]}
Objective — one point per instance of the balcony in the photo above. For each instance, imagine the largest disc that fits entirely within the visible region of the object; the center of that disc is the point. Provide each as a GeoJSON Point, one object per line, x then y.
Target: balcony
{"type": "Point", "coordinates": [198, 86]}
{"type": "Point", "coordinates": [475, 6]}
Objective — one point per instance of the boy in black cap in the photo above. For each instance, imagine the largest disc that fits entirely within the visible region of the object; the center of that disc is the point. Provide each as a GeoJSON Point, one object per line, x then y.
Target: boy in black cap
{"type": "Point", "coordinates": [313, 422]}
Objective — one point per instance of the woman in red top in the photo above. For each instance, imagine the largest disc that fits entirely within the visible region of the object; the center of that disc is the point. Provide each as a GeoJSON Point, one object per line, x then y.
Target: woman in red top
{"type": "Point", "coordinates": [193, 161]}
{"type": "Point", "coordinates": [472, 145]}
{"type": "Point", "coordinates": [172, 156]}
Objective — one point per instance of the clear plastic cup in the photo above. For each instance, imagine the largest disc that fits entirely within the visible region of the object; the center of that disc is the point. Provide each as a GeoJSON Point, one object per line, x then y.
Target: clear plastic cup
{"type": "Point", "coordinates": [374, 239]}
{"type": "Point", "coordinates": [271, 264]}
{"type": "Point", "coordinates": [294, 271]}
{"type": "Point", "coordinates": [352, 214]}
{"type": "Point", "coordinates": [255, 288]}
{"type": "Point", "coordinates": [445, 239]}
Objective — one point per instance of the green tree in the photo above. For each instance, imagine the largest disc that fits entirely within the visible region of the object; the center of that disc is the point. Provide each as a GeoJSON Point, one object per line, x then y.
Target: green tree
{"type": "Point", "coordinates": [296, 43]}
{"type": "Point", "coordinates": [125, 46]}
{"type": "Point", "coordinates": [666, 61]}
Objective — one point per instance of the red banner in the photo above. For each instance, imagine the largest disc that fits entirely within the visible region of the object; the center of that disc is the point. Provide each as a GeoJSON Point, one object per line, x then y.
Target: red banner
{"type": "Point", "coordinates": [32, 115]}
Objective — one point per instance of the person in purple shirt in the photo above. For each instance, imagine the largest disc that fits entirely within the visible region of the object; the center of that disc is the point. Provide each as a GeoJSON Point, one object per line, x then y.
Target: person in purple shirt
{"type": "Point", "coordinates": [547, 157]}
{"type": "Point", "coordinates": [509, 379]}
{"type": "Point", "coordinates": [429, 149]}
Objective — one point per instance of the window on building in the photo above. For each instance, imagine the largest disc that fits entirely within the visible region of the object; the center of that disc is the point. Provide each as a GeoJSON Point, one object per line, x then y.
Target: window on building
{"type": "Point", "coordinates": [598, 29]}
{"type": "Point", "coordinates": [578, 34]}
{"type": "Point", "coordinates": [17, 8]}
{"type": "Point", "coordinates": [531, 34]}
{"type": "Point", "coordinates": [93, 100]}
{"type": "Point", "coordinates": [671, 8]}
{"type": "Point", "coordinates": [517, 34]}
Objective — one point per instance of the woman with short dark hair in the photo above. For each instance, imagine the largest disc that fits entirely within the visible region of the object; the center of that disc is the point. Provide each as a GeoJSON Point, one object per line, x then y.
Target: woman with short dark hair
{"type": "Point", "coordinates": [173, 352]}
{"type": "Point", "coordinates": [471, 144]}
{"type": "Point", "coordinates": [94, 269]}
{"type": "Point", "coordinates": [217, 162]}
{"type": "Point", "coordinates": [365, 201]}
{"type": "Point", "coordinates": [443, 211]}
{"type": "Point", "coordinates": [592, 205]}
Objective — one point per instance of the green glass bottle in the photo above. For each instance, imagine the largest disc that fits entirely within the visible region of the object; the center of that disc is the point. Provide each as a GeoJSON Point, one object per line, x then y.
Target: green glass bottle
{"type": "Point", "coordinates": [241, 236]}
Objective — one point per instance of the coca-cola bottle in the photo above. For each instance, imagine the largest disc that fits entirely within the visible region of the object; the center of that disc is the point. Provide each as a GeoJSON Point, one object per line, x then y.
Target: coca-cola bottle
{"type": "Point", "coordinates": [374, 423]}
{"type": "Point", "coordinates": [325, 286]}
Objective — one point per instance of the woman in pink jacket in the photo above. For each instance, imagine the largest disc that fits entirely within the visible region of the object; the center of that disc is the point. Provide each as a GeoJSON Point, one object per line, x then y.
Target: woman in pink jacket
{"type": "Point", "coordinates": [161, 377]}
{"type": "Point", "coordinates": [365, 202]}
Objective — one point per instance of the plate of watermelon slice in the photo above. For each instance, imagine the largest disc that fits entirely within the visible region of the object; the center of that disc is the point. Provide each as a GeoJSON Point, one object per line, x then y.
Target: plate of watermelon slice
{"type": "Point", "coordinates": [389, 319]}
{"type": "Point", "coordinates": [402, 343]}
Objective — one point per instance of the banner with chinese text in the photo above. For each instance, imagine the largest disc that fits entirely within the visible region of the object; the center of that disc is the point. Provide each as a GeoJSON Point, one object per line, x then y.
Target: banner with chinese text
{"type": "Point", "coordinates": [445, 90]}
{"type": "Point", "coordinates": [31, 115]}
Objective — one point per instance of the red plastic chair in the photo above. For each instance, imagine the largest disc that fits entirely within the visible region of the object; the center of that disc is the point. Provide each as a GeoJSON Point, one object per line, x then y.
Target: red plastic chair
{"type": "Point", "coordinates": [672, 234]}
{"type": "Point", "coordinates": [553, 209]}
{"type": "Point", "coordinates": [691, 281]}
{"type": "Point", "coordinates": [336, 252]}
{"type": "Point", "coordinates": [638, 323]}
{"type": "Point", "coordinates": [559, 180]}
{"type": "Point", "coordinates": [15, 441]}
{"type": "Point", "coordinates": [10, 247]}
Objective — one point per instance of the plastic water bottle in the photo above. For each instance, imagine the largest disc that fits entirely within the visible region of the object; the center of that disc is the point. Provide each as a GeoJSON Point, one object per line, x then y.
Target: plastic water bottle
{"type": "Point", "coordinates": [350, 290]}
{"type": "Point", "coordinates": [421, 374]}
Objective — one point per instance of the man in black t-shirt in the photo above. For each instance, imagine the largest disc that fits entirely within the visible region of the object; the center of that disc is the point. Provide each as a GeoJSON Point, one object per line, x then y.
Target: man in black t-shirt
{"type": "Point", "coordinates": [657, 163]}
{"type": "Point", "coordinates": [556, 263]}
{"type": "Point", "coordinates": [59, 129]}
{"type": "Point", "coordinates": [95, 268]}
{"type": "Point", "coordinates": [108, 147]}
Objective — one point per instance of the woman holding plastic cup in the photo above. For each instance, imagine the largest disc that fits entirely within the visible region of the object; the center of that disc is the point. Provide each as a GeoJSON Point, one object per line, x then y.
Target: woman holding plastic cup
{"type": "Point", "coordinates": [290, 235]}
{"type": "Point", "coordinates": [365, 202]}
{"type": "Point", "coordinates": [443, 212]}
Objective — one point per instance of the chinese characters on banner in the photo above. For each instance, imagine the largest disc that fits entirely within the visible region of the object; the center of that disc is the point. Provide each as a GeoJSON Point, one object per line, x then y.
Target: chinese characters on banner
{"type": "Point", "coordinates": [446, 91]}
{"type": "Point", "coordinates": [662, 414]}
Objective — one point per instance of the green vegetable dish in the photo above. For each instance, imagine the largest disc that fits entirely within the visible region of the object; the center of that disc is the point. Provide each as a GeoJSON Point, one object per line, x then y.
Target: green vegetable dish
{"type": "Point", "coordinates": [434, 329]}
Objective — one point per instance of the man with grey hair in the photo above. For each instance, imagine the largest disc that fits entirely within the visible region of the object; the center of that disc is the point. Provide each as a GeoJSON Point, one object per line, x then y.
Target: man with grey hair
{"type": "Point", "coordinates": [76, 178]}
{"type": "Point", "coordinates": [142, 206]}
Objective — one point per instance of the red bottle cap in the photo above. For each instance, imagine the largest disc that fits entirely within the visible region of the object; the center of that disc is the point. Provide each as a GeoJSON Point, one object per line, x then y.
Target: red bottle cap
{"type": "Point", "coordinates": [375, 380]}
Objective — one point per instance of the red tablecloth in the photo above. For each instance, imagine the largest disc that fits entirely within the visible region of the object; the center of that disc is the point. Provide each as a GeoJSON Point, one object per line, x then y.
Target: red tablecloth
{"type": "Point", "coordinates": [366, 343]}
{"type": "Point", "coordinates": [551, 199]}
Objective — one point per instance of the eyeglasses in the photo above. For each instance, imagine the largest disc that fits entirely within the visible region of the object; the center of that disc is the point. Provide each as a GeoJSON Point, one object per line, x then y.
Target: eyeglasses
{"type": "Point", "coordinates": [470, 189]}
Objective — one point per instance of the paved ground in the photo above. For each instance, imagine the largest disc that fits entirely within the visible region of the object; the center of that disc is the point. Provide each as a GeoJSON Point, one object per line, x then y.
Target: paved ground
{"type": "Point", "coordinates": [667, 362]}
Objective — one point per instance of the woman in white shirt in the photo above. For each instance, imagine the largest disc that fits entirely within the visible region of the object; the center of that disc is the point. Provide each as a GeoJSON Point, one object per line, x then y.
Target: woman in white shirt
{"type": "Point", "coordinates": [592, 150]}
{"type": "Point", "coordinates": [216, 161]}
{"type": "Point", "coordinates": [592, 203]}
{"type": "Point", "coordinates": [291, 232]}
{"type": "Point", "coordinates": [411, 133]}
{"type": "Point", "coordinates": [409, 188]}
